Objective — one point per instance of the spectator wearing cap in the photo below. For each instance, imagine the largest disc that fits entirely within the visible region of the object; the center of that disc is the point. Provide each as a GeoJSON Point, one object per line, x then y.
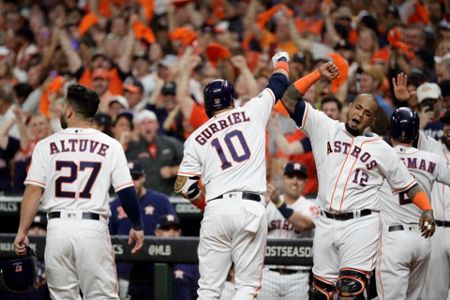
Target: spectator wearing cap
{"type": "Point", "coordinates": [370, 81]}
{"type": "Point", "coordinates": [289, 216]}
{"type": "Point", "coordinates": [160, 155]}
{"type": "Point", "coordinates": [103, 123]}
{"type": "Point", "coordinates": [100, 82]}
{"type": "Point", "coordinates": [430, 108]}
{"type": "Point", "coordinates": [133, 90]}
{"type": "Point", "coordinates": [153, 206]}
{"type": "Point", "coordinates": [184, 276]}
{"type": "Point", "coordinates": [117, 104]}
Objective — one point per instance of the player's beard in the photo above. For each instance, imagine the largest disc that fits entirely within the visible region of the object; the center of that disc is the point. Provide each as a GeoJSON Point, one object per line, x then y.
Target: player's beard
{"type": "Point", "coordinates": [63, 121]}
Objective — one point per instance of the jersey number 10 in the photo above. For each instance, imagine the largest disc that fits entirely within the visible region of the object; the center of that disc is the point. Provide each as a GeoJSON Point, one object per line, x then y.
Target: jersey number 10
{"type": "Point", "coordinates": [72, 166]}
{"type": "Point", "coordinates": [230, 145]}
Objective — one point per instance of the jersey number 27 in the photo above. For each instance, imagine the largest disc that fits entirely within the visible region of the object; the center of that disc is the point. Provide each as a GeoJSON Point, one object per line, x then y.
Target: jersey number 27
{"type": "Point", "coordinates": [229, 139]}
{"type": "Point", "coordinates": [73, 175]}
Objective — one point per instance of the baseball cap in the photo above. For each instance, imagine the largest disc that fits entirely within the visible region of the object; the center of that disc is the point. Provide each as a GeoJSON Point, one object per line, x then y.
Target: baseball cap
{"type": "Point", "coordinates": [100, 73]}
{"type": "Point", "coordinates": [168, 220]}
{"type": "Point", "coordinates": [135, 168]}
{"type": "Point", "coordinates": [133, 85]}
{"type": "Point", "coordinates": [145, 115]}
{"type": "Point", "coordinates": [343, 12]}
{"type": "Point", "coordinates": [39, 220]}
{"type": "Point", "coordinates": [428, 90]}
{"type": "Point", "coordinates": [103, 118]}
{"type": "Point", "coordinates": [121, 100]}
{"type": "Point", "coordinates": [169, 88]}
{"type": "Point", "coordinates": [446, 117]}
{"type": "Point", "coordinates": [292, 168]}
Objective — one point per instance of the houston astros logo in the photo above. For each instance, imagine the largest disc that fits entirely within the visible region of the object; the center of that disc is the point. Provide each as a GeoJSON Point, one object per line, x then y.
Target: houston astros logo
{"type": "Point", "coordinates": [18, 267]}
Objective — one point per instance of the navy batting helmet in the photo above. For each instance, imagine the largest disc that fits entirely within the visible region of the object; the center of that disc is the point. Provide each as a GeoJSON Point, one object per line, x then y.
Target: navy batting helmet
{"type": "Point", "coordinates": [20, 275]}
{"type": "Point", "coordinates": [218, 94]}
{"type": "Point", "coordinates": [404, 124]}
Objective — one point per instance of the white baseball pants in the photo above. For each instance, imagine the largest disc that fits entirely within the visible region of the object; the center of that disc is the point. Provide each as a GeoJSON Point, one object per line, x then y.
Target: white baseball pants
{"type": "Point", "coordinates": [402, 263]}
{"type": "Point", "coordinates": [78, 255]}
{"type": "Point", "coordinates": [284, 286]}
{"type": "Point", "coordinates": [233, 230]}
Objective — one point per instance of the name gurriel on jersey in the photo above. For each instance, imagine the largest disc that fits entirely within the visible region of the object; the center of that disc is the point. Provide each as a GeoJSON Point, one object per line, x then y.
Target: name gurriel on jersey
{"type": "Point", "coordinates": [216, 126]}
{"type": "Point", "coordinates": [78, 145]}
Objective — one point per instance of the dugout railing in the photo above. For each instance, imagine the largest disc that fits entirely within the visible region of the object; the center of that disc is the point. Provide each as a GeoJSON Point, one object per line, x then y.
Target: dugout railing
{"type": "Point", "coordinates": [165, 251]}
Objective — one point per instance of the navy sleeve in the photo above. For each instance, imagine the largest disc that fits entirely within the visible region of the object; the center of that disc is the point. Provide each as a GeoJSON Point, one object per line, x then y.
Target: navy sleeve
{"type": "Point", "coordinates": [278, 83]}
{"type": "Point", "coordinates": [299, 111]}
{"type": "Point", "coordinates": [112, 220]}
{"type": "Point", "coordinates": [130, 205]}
{"type": "Point", "coordinates": [306, 143]}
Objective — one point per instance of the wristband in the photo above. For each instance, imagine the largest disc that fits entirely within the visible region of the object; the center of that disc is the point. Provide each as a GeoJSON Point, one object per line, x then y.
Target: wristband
{"type": "Point", "coordinates": [421, 200]}
{"type": "Point", "coordinates": [285, 211]}
{"type": "Point", "coordinates": [304, 83]}
{"type": "Point", "coordinates": [282, 65]}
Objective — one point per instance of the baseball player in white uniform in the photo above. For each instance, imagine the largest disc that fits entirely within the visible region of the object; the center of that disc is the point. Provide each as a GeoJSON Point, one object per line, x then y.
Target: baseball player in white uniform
{"type": "Point", "coordinates": [288, 282]}
{"type": "Point", "coordinates": [438, 278]}
{"type": "Point", "coordinates": [71, 172]}
{"type": "Point", "coordinates": [351, 166]}
{"type": "Point", "coordinates": [404, 253]}
{"type": "Point", "coordinates": [228, 152]}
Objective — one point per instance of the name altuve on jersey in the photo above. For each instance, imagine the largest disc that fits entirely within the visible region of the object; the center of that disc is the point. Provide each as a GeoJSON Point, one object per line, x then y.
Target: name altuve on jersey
{"type": "Point", "coordinates": [78, 145]}
{"type": "Point", "coordinates": [207, 133]}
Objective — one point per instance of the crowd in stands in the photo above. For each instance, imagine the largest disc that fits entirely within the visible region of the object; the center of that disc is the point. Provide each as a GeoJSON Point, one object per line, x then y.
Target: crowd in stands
{"type": "Point", "coordinates": [149, 62]}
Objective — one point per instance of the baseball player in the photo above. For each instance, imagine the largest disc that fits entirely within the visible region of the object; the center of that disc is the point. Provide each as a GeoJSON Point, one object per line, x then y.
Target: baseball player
{"type": "Point", "coordinates": [438, 278]}
{"type": "Point", "coordinates": [351, 165]}
{"type": "Point", "coordinates": [404, 253]}
{"type": "Point", "coordinates": [277, 280]}
{"type": "Point", "coordinates": [72, 171]}
{"type": "Point", "coordinates": [228, 152]}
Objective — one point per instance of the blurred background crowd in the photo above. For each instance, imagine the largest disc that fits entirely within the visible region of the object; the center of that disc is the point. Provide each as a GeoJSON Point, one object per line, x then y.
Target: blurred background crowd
{"type": "Point", "coordinates": [149, 60]}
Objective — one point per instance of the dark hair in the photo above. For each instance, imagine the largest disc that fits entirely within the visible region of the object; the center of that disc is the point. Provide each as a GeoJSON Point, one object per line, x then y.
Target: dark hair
{"type": "Point", "coordinates": [331, 98]}
{"type": "Point", "coordinates": [83, 100]}
{"type": "Point", "coordinates": [7, 94]}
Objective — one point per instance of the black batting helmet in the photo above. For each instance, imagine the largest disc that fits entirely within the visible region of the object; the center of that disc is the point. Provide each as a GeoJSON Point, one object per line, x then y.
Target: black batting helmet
{"type": "Point", "coordinates": [218, 94]}
{"type": "Point", "coordinates": [405, 124]}
{"type": "Point", "coordinates": [20, 275]}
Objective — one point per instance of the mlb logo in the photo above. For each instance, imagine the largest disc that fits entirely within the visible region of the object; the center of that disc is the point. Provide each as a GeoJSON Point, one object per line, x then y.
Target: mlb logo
{"type": "Point", "coordinates": [18, 267]}
{"type": "Point", "coordinates": [217, 102]}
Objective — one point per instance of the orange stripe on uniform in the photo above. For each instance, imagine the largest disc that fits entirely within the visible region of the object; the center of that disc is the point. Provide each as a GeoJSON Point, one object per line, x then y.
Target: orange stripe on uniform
{"type": "Point", "coordinates": [351, 170]}
{"type": "Point", "coordinates": [340, 172]}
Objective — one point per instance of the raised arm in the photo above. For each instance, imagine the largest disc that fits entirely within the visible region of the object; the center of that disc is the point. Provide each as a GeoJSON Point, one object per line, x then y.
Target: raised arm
{"type": "Point", "coordinates": [72, 56]}
{"type": "Point", "coordinates": [294, 93]}
{"type": "Point", "coordinates": [124, 61]}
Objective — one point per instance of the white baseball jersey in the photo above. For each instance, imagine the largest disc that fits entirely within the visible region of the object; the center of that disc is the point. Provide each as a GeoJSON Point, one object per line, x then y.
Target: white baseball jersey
{"type": "Point", "coordinates": [280, 228]}
{"type": "Point", "coordinates": [232, 146]}
{"type": "Point", "coordinates": [440, 194]}
{"type": "Point", "coordinates": [76, 167]}
{"type": "Point", "coordinates": [351, 169]}
{"type": "Point", "coordinates": [426, 167]}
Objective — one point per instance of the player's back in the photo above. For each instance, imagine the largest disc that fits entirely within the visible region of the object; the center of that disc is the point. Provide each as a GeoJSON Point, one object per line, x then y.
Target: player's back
{"type": "Point", "coordinates": [426, 168]}
{"type": "Point", "coordinates": [230, 148]}
{"type": "Point", "coordinates": [77, 167]}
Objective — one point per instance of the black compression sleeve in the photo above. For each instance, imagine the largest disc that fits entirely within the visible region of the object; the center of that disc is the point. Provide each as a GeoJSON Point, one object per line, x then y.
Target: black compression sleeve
{"type": "Point", "coordinates": [278, 83]}
{"type": "Point", "coordinates": [130, 205]}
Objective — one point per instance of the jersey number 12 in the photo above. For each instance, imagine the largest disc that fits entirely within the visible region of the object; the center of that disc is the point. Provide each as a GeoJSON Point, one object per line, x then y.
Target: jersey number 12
{"type": "Point", "coordinates": [229, 142]}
